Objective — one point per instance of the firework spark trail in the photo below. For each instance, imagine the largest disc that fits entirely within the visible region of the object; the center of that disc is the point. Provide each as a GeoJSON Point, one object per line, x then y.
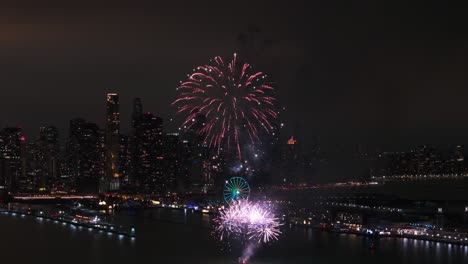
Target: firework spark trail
{"type": "Point", "coordinates": [232, 98]}
{"type": "Point", "coordinates": [246, 219]}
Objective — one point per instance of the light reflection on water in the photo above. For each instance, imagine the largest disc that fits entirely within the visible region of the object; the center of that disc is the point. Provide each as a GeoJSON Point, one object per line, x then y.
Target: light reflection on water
{"type": "Point", "coordinates": [179, 237]}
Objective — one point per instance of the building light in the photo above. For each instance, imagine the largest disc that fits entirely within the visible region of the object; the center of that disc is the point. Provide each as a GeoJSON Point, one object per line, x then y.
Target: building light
{"type": "Point", "coordinates": [292, 141]}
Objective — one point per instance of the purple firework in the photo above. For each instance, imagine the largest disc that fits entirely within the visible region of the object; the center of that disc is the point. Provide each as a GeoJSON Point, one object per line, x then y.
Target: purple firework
{"type": "Point", "coordinates": [244, 218]}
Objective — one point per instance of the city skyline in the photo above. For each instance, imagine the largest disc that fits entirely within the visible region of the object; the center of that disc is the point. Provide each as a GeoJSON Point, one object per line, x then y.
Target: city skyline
{"type": "Point", "coordinates": [378, 84]}
{"type": "Point", "coordinates": [172, 126]}
{"type": "Point", "coordinates": [234, 132]}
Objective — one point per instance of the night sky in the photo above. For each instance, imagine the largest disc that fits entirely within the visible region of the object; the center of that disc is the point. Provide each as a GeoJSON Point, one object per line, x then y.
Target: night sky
{"type": "Point", "coordinates": [376, 73]}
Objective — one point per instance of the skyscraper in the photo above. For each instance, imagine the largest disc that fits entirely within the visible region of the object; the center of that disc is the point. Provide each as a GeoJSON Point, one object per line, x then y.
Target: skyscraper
{"type": "Point", "coordinates": [84, 155]}
{"type": "Point", "coordinates": [112, 143]}
{"type": "Point", "coordinates": [43, 159]}
{"type": "Point", "coordinates": [66, 183]}
{"type": "Point", "coordinates": [13, 172]}
{"type": "Point", "coordinates": [459, 160]}
{"type": "Point", "coordinates": [132, 146]}
{"type": "Point", "coordinates": [34, 168]}
{"type": "Point", "coordinates": [137, 110]}
{"type": "Point", "coordinates": [2, 175]}
{"type": "Point", "coordinates": [48, 134]}
{"type": "Point", "coordinates": [125, 163]}
{"type": "Point", "coordinates": [112, 115]}
{"type": "Point", "coordinates": [147, 153]}
{"type": "Point", "coordinates": [172, 165]}
{"type": "Point", "coordinates": [195, 154]}
{"type": "Point", "coordinates": [291, 161]}
{"type": "Point", "coordinates": [72, 148]}
{"type": "Point", "coordinates": [185, 163]}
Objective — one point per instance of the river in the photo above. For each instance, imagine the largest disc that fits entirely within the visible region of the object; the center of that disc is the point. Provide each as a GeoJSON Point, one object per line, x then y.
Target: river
{"type": "Point", "coordinates": [170, 236]}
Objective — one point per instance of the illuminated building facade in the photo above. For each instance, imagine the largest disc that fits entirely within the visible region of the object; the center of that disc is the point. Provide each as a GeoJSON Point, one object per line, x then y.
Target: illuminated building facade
{"type": "Point", "coordinates": [45, 154]}
{"type": "Point", "coordinates": [124, 163]}
{"type": "Point", "coordinates": [172, 164]}
{"type": "Point", "coordinates": [84, 155]}
{"type": "Point", "coordinates": [111, 181]}
{"type": "Point", "coordinates": [137, 110]}
{"type": "Point", "coordinates": [13, 163]}
{"type": "Point", "coordinates": [291, 161]}
{"type": "Point", "coordinates": [195, 153]}
{"type": "Point", "coordinates": [147, 153]}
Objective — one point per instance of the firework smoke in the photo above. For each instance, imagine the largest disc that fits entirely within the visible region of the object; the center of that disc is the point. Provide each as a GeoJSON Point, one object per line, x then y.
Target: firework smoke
{"type": "Point", "coordinates": [249, 251]}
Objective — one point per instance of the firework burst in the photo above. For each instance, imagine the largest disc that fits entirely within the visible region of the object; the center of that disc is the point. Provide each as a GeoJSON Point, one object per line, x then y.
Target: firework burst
{"type": "Point", "coordinates": [234, 100]}
{"type": "Point", "coordinates": [248, 220]}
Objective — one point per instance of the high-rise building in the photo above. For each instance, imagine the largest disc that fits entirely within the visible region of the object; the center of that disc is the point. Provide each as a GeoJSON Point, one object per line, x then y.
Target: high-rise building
{"type": "Point", "coordinates": [459, 160]}
{"type": "Point", "coordinates": [125, 163]}
{"type": "Point", "coordinates": [48, 134]}
{"type": "Point", "coordinates": [147, 153]}
{"type": "Point", "coordinates": [43, 167]}
{"type": "Point", "coordinates": [421, 163]}
{"type": "Point", "coordinates": [137, 110]}
{"type": "Point", "coordinates": [211, 172]}
{"type": "Point", "coordinates": [13, 165]}
{"type": "Point", "coordinates": [185, 169]}
{"type": "Point", "coordinates": [132, 148]}
{"type": "Point", "coordinates": [2, 175]}
{"type": "Point", "coordinates": [172, 164]}
{"type": "Point", "coordinates": [112, 116]}
{"type": "Point", "coordinates": [34, 168]}
{"type": "Point", "coordinates": [201, 166]}
{"type": "Point", "coordinates": [84, 155]}
{"type": "Point", "coordinates": [194, 154]}
{"type": "Point", "coordinates": [66, 183]}
{"type": "Point", "coordinates": [291, 161]}
{"type": "Point", "coordinates": [112, 143]}
{"type": "Point", "coordinates": [72, 147]}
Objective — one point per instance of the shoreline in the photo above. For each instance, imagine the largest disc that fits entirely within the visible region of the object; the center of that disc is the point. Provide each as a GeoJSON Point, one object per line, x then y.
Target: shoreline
{"type": "Point", "coordinates": [328, 230]}
{"type": "Point", "coordinates": [378, 236]}
{"type": "Point", "coordinates": [64, 221]}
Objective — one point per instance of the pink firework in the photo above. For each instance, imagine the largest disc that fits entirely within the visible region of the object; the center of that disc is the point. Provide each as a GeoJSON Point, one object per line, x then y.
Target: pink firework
{"type": "Point", "coordinates": [233, 99]}
{"type": "Point", "coordinates": [247, 219]}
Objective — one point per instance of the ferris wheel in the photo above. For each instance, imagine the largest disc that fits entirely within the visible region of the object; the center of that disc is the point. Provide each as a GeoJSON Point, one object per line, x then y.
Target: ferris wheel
{"type": "Point", "coordinates": [236, 188]}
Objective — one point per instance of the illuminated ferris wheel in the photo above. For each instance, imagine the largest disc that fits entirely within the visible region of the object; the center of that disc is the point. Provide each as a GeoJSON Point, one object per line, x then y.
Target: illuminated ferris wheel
{"type": "Point", "coordinates": [236, 188]}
